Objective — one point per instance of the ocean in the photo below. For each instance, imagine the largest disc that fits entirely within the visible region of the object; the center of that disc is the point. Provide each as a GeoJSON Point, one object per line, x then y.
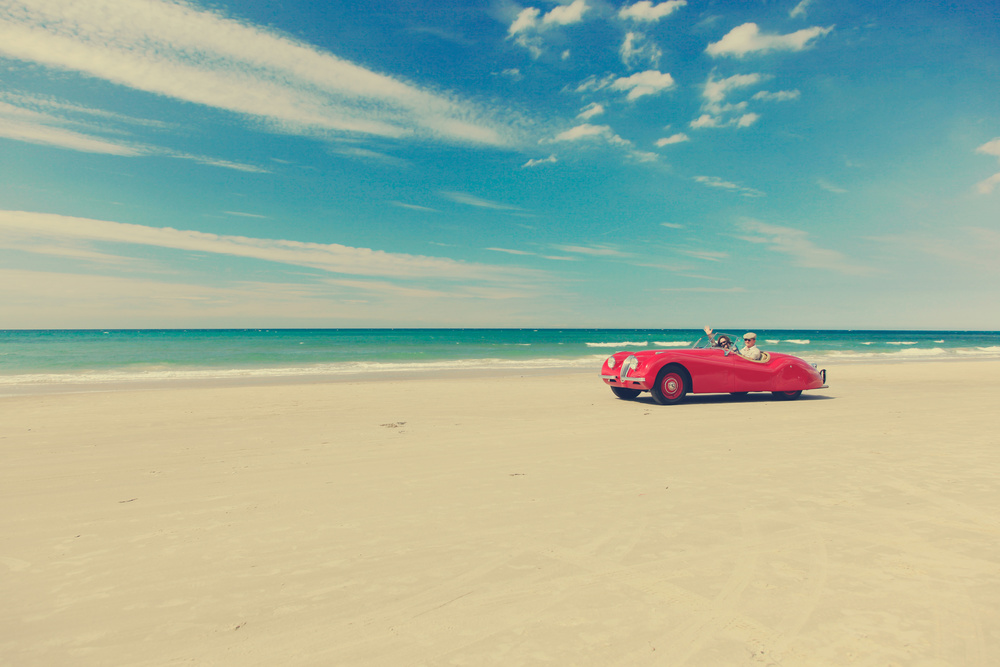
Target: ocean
{"type": "Point", "coordinates": [102, 357]}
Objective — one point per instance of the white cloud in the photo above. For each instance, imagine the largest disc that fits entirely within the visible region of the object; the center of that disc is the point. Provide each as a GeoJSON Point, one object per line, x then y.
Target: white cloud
{"type": "Point", "coordinates": [526, 20]}
{"type": "Point", "coordinates": [592, 250]}
{"type": "Point", "coordinates": [989, 185]}
{"type": "Point", "coordinates": [672, 225]}
{"type": "Point", "coordinates": [704, 120]}
{"type": "Point", "coordinates": [183, 52]}
{"type": "Point", "coordinates": [588, 131]}
{"type": "Point", "coordinates": [647, 11]}
{"type": "Point", "coordinates": [535, 162]}
{"type": "Point", "coordinates": [637, 48]}
{"type": "Point", "coordinates": [779, 96]}
{"type": "Point", "coordinates": [414, 207]}
{"type": "Point", "coordinates": [478, 202]}
{"type": "Point", "coordinates": [747, 119]}
{"type": "Point", "coordinates": [991, 147]}
{"type": "Point", "coordinates": [716, 90]}
{"type": "Point", "coordinates": [830, 187]}
{"type": "Point", "coordinates": [678, 138]}
{"type": "Point", "coordinates": [796, 244]}
{"type": "Point", "coordinates": [716, 182]}
{"type": "Point", "coordinates": [529, 23]}
{"type": "Point", "coordinates": [591, 110]}
{"type": "Point", "coordinates": [640, 84]}
{"type": "Point", "coordinates": [24, 228]}
{"type": "Point", "coordinates": [747, 38]}
{"type": "Point", "coordinates": [800, 9]}
{"type": "Point", "coordinates": [566, 14]}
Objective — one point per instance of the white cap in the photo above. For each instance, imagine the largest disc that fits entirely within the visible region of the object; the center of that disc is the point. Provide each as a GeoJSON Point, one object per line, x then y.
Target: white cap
{"type": "Point", "coordinates": [750, 335]}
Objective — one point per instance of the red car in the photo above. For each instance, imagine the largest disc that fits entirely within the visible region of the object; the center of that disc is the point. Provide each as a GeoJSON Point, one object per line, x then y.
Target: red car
{"type": "Point", "coordinates": [712, 366]}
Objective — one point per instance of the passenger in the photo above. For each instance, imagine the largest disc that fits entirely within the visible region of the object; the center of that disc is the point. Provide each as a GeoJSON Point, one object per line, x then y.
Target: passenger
{"type": "Point", "coordinates": [750, 349]}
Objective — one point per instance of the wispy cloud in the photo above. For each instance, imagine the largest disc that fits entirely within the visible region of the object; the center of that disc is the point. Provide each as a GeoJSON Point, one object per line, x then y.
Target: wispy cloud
{"type": "Point", "coordinates": [478, 202]}
{"type": "Point", "coordinates": [334, 258]}
{"type": "Point", "coordinates": [796, 244]}
{"type": "Point", "coordinates": [592, 250]}
{"type": "Point", "coordinates": [647, 11]}
{"type": "Point", "coordinates": [414, 207]}
{"type": "Point", "coordinates": [637, 48]}
{"type": "Point", "coordinates": [678, 138]}
{"type": "Point", "coordinates": [800, 9]}
{"type": "Point", "coordinates": [716, 182]}
{"type": "Point", "coordinates": [988, 185]}
{"type": "Point", "coordinates": [534, 162]}
{"type": "Point", "coordinates": [747, 38]}
{"type": "Point", "coordinates": [591, 110]}
{"type": "Point", "coordinates": [778, 96]}
{"type": "Point", "coordinates": [719, 113]}
{"type": "Point", "coordinates": [203, 57]}
{"type": "Point", "coordinates": [830, 187]}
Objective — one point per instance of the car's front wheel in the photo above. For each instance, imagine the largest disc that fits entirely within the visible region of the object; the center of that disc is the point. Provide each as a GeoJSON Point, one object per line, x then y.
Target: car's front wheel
{"type": "Point", "coordinates": [671, 385]}
{"type": "Point", "coordinates": [786, 395]}
{"type": "Point", "coordinates": [625, 393]}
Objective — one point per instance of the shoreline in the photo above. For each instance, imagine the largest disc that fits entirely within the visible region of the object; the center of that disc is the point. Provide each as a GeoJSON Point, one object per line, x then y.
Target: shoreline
{"type": "Point", "coordinates": [51, 383]}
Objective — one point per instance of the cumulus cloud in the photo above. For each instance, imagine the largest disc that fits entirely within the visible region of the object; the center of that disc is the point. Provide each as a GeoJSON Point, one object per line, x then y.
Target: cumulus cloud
{"type": "Point", "coordinates": [796, 244]}
{"type": "Point", "coordinates": [42, 229]}
{"type": "Point", "coordinates": [678, 138]}
{"type": "Point", "coordinates": [748, 38]}
{"type": "Point", "coordinates": [719, 113]}
{"type": "Point", "coordinates": [636, 48]}
{"type": "Point", "coordinates": [588, 131]}
{"type": "Point", "coordinates": [645, 83]}
{"type": "Point", "coordinates": [202, 57]}
{"type": "Point", "coordinates": [647, 11]}
{"type": "Point", "coordinates": [530, 23]}
{"type": "Point", "coordinates": [535, 162]}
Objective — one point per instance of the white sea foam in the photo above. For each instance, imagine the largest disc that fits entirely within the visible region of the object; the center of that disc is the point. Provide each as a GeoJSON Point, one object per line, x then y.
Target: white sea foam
{"type": "Point", "coordinates": [798, 341]}
{"type": "Point", "coordinates": [910, 354]}
{"type": "Point", "coordinates": [319, 370]}
{"type": "Point", "coordinates": [901, 342]}
{"type": "Point", "coordinates": [979, 350]}
{"type": "Point", "coordinates": [624, 343]}
{"type": "Point", "coordinates": [772, 341]}
{"type": "Point", "coordinates": [674, 343]}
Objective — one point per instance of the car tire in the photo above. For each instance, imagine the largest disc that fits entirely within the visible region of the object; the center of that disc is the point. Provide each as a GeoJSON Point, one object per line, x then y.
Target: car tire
{"type": "Point", "coordinates": [671, 385]}
{"type": "Point", "coordinates": [625, 393]}
{"type": "Point", "coordinates": [786, 395]}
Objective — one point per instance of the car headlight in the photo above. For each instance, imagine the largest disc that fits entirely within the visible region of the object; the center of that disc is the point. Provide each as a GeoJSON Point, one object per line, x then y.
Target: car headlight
{"type": "Point", "coordinates": [629, 364]}
{"type": "Point", "coordinates": [611, 362]}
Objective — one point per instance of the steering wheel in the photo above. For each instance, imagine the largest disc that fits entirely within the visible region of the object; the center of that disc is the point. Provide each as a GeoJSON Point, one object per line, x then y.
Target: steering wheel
{"type": "Point", "coordinates": [724, 342]}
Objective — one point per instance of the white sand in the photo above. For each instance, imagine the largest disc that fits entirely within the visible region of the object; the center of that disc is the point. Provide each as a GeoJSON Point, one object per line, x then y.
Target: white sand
{"type": "Point", "coordinates": [505, 521]}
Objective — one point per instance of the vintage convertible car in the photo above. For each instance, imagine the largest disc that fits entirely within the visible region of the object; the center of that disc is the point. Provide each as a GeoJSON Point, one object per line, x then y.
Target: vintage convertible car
{"type": "Point", "coordinates": [713, 365]}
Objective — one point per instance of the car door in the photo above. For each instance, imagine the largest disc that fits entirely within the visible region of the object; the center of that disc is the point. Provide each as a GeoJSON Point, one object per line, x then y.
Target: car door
{"type": "Point", "coordinates": [711, 370]}
{"type": "Point", "coordinates": [751, 375]}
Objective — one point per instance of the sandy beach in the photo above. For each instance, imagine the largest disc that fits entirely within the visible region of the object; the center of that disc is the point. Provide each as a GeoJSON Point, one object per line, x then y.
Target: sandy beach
{"type": "Point", "coordinates": [505, 521]}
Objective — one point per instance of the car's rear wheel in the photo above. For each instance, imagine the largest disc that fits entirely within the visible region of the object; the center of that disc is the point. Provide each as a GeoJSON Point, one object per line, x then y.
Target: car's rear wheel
{"type": "Point", "coordinates": [625, 393]}
{"type": "Point", "coordinates": [786, 395]}
{"type": "Point", "coordinates": [671, 385]}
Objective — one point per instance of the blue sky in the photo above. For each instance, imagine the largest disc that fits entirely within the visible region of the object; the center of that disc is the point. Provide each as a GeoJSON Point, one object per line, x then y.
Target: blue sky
{"type": "Point", "coordinates": [432, 163]}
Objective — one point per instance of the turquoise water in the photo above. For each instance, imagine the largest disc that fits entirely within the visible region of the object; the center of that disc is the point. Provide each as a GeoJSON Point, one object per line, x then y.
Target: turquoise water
{"type": "Point", "coordinates": [45, 357]}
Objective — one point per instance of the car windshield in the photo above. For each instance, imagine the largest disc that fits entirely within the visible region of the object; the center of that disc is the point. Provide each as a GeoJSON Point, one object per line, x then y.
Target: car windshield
{"type": "Point", "coordinates": [705, 342]}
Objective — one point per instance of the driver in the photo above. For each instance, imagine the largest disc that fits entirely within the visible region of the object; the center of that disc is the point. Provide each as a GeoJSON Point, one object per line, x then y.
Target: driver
{"type": "Point", "coordinates": [750, 349]}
